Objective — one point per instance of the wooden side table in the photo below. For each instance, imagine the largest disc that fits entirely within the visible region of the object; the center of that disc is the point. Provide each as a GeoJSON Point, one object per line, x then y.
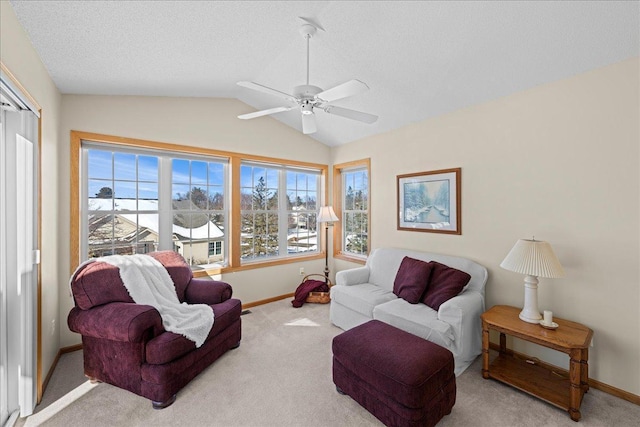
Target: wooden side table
{"type": "Point", "coordinates": [529, 376]}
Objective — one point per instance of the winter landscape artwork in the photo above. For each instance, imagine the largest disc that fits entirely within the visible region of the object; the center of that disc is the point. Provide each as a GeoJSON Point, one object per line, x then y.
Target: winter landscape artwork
{"type": "Point", "coordinates": [430, 201]}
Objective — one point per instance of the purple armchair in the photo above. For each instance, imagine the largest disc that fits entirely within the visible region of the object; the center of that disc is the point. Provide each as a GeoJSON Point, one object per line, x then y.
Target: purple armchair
{"type": "Point", "coordinates": [125, 344]}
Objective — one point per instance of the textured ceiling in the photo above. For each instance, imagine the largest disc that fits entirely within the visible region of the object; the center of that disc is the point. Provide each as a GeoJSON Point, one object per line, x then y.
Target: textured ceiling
{"type": "Point", "coordinates": [420, 59]}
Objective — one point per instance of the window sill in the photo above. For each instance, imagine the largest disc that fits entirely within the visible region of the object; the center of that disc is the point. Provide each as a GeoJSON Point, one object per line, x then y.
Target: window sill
{"type": "Point", "coordinates": [212, 271]}
{"type": "Point", "coordinates": [207, 272]}
{"type": "Point", "coordinates": [351, 258]}
{"type": "Point", "coordinates": [261, 264]}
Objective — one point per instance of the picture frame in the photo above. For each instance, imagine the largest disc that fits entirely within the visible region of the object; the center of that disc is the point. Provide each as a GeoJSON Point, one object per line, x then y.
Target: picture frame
{"type": "Point", "coordinates": [430, 201]}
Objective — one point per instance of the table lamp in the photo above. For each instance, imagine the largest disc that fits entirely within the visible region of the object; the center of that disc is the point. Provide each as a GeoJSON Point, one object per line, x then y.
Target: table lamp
{"type": "Point", "coordinates": [328, 216]}
{"type": "Point", "coordinates": [534, 258]}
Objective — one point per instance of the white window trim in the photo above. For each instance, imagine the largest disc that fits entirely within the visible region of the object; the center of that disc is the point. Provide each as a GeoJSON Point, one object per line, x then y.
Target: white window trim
{"type": "Point", "coordinates": [283, 212]}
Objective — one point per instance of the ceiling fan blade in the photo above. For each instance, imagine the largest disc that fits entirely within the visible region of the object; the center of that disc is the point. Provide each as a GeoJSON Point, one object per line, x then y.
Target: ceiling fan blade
{"type": "Point", "coordinates": [265, 89]}
{"type": "Point", "coordinates": [310, 22]}
{"type": "Point", "coordinates": [350, 88]}
{"type": "Point", "coordinates": [309, 123]}
{"type": "Point", "coordinates": [263, 112]}
{"type": "Point", "coordinates": [350, 114]}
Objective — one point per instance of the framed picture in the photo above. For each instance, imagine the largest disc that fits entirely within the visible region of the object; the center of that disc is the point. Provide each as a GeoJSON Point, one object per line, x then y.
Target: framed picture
{"type": "Point", "coordinates": [430, 201]}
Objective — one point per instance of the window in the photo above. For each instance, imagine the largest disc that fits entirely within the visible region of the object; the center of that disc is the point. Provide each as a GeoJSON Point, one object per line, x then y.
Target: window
{"type": "Point", "coordinates": [352, 200]}
{"type": "Point", "coordinates": [259, 212]}
{"type": "Point", "coordinates": [222, 211]}
{"type": "Point", "coordinates": [198, 206]}
{"type": "Point", "coordinates": [138, 201]}
{"type": "Point", "coordinates": [121, 203]}
{"type": "Point", "coordinates": [302, 210]}
{"type": "Point", "coordinates": [278, 211]}
{"type": "Point", "coordinates": [215, 248]}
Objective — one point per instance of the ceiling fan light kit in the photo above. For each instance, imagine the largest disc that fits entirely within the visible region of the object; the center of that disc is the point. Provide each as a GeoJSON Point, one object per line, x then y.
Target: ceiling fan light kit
{"type": "Point", "coordinates": [308, 97]}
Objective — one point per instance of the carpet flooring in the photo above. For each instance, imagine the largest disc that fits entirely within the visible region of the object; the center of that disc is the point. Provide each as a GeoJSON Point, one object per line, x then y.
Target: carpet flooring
{"type": "Point", "coordinates": [281, 376]}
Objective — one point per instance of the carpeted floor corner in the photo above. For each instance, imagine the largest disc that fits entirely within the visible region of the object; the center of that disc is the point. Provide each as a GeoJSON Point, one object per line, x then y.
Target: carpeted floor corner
{"type": "Point", "coordinates": [281, 376]}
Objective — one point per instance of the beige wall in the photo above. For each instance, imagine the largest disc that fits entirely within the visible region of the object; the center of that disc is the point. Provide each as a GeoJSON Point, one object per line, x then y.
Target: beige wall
{"type": "Point", "coordinates": [202, 122]}
{"type": "Point", "coordinates": [17, 54]}
{"type": "Point", "coordinates": [559, 162]}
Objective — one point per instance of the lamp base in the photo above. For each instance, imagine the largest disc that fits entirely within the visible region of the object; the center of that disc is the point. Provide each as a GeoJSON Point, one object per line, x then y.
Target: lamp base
{"type": "Point", "coordinates": [530, 312]}
{"type": "Point", "coordinates": [326, 254]}
{"type": "Point", "coordinates": [529, 318]}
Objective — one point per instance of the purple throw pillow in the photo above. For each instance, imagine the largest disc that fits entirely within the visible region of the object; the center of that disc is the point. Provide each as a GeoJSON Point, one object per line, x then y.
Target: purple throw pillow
{"type": "Point", "coordinates": [445, 283]}
{"type": "Point", "coordinates": [412, 279]}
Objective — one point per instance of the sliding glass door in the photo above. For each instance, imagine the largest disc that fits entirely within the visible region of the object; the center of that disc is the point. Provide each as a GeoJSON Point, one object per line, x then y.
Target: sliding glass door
{"type": "Point", "coordinates": [18, 256]}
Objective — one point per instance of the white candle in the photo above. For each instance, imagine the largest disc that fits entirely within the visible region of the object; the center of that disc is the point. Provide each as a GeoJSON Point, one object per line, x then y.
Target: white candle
{"type": "Point", "coordinates": [548, 317]}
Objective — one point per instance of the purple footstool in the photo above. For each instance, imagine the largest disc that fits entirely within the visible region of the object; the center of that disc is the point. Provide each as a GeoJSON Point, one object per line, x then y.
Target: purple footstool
{"type": "Point", "coordinates": [400, 378]}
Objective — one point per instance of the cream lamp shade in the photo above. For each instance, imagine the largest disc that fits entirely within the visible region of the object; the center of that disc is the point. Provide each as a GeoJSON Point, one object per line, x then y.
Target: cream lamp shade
{"type": "Point", "coordinates": [327, 214]}
{"type": "Point", "coordinates": [533, 258]}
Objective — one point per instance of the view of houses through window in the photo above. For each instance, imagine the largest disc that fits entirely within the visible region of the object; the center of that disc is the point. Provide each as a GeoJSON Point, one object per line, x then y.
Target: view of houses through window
{"type": "Point", "coordinates": [198, 205]}
{"type": "Point", "coordinates": [139, 200]}
{"type": "Point", "coordinates": [124, 205]}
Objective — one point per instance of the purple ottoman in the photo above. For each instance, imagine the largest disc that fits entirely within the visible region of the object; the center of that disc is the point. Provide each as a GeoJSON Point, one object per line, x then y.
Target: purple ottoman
{"type": "Point", "coordinates": [400, 378]}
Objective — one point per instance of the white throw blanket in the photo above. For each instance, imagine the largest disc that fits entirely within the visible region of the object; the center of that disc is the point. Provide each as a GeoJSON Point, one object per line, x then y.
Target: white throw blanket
{"type": "Point", "coordinates": [149, 283]}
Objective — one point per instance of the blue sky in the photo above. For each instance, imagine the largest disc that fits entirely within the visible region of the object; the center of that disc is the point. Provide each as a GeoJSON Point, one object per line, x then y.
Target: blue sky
{"type": "Point", "coordinates": [356, 180]}
{"type": "Point", "coordinates": [119, 171]}
{"type": "Point", "coordinates": [104, 166]}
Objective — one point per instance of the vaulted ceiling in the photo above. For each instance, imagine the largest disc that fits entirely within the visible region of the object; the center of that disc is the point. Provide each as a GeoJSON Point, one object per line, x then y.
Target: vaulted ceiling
{"type": "Point", "coordinates": [419, 59]}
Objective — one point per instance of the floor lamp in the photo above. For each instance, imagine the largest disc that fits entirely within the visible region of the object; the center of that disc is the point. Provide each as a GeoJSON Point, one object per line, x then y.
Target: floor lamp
{"type": "Point", "coordinates": [328, 217]}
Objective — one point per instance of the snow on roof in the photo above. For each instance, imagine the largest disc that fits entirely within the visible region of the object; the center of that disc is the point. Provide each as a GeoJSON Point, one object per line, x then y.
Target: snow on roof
{"type": "Point", "coordinates": [207, 231]}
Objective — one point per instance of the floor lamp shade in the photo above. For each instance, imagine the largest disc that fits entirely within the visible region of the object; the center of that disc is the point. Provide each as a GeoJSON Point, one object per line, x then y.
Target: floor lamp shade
{"type": "Point", "coordinates": [327, 214]}
{"type": "Point", "coordinates": [533, 258]}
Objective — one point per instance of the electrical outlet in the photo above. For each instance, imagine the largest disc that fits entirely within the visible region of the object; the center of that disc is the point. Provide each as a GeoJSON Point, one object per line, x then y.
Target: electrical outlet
{"type": "Point", "coordinates": [591, 345]}
{"type": "Point", "coordinates": [302, 271]}
{"type": "Point", "coordinates": [53, 326]}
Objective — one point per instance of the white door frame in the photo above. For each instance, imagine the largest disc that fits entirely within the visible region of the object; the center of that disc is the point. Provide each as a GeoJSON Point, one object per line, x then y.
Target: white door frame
{"type": "Point", "coordinates": [4, 354]}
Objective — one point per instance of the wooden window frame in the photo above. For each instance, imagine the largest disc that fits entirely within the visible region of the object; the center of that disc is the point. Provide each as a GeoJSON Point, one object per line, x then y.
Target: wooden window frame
{"type": "Point", "coordinates": [234, 159]}
{"type": "Point", "coordinates": [338, 170]}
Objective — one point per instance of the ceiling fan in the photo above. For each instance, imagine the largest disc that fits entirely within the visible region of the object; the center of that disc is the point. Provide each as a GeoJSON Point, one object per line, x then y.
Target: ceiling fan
{"type": "Point", "coordinates": [309, 98]}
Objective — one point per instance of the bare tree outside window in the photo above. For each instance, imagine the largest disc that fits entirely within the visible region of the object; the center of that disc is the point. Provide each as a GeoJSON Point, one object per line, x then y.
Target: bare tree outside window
{"type": "Point", "coordinates": [354, 204]}
{"type": "Point", "coordinates": [260, 227]}
{"type": "Point", "coordinates": [278, 211]}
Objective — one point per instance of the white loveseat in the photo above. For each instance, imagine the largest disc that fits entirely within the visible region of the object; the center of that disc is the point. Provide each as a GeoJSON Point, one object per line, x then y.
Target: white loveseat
{"type": "Point", "coordinates": [366, 293]}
